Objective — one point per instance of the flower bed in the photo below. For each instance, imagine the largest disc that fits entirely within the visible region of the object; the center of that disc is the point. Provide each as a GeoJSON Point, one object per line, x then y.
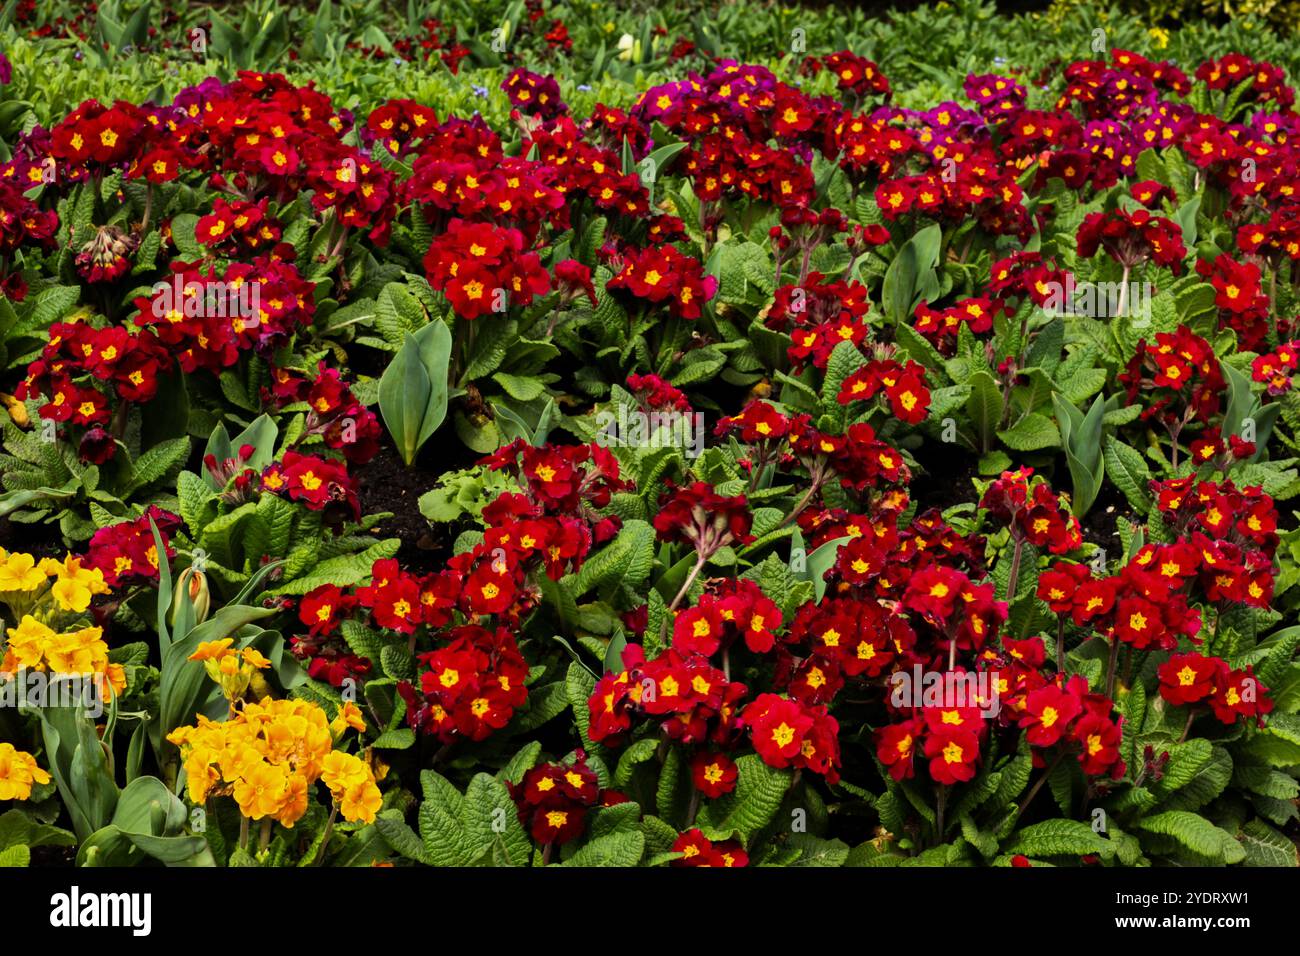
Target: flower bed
{"type": "Point", "coordinates": [753, 471]}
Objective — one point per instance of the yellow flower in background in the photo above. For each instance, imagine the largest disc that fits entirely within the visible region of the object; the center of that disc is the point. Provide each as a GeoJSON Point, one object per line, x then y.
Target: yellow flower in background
{"type": "Point", "coordinates": [18, 771]}
{"type": "Point", "coordinates": [75, 585]}
{"type": "Point", "coordinates": [1161, 37]}
{"type": "Point", "coordinates": [212, 650]}
{"type": "Point", "coordinates": [295, 801]}
{"type": "Point", "coordinates": [361, 803]}
{"type": "Point", "coordinates": [349, 715]}
{"type": "Point", "coordinates": [340, 771]}
{"type": "Point", "coordinates": [233, 670]}
{"type": "Point", "coordinates": [254, 658]}
{"type": "Point", "coordinates": [19, 572]}
{"type": "Point", "coordinates": [35, 646]}
{"type": "Point", "coordinates": [27, 643]}
{"type": "Point", "coordinates": [261, 792]}
{"type": "Point", "coordinates": [268, 755]}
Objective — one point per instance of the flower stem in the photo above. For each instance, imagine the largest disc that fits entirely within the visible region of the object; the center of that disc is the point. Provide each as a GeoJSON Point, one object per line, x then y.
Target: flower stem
{"type": "Point", "coordinates": [1014, 578]}
{"type": "Point", "coordinates": [1029, 798]}
{"type": "Point", "coordinates": [1111, 668]}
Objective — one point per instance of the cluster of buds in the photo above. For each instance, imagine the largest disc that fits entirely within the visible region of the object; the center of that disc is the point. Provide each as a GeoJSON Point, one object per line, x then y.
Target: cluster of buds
{"type": "Point", "coordinates": [105, 257]}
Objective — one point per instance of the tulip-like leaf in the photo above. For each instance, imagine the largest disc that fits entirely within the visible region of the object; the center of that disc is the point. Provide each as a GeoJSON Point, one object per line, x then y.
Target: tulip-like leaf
{"type": "Point", "coordinates": [413, 389]}
{"type": "Point", "coordinates": [1081, 437]}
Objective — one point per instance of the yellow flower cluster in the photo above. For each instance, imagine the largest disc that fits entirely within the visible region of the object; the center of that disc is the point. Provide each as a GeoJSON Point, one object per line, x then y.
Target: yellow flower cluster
{"type": "Point", "coordinates": [234, 671]}
{"type": "Point", "coordinates": [269, 754]}
{"type": "Point", "coordinates": [36, 647]}
{"type": "Point", "coordinates": [23, 579]}
{"type": "Point", "coordinates": [18, 771]}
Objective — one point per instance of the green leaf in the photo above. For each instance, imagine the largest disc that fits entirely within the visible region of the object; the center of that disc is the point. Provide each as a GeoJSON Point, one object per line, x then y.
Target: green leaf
{"type": "Point", "coordinates": [413, 389]}
{"type": "Point", "coordinates": [628, 559]}
{"type": "Point", "coordinates": [984, 407]}
{"type": "Point", "coordinates": [1060, 838]}
{"type": "Point", "coordinates": [750, 806]}
{"type": "Point", "coordinates": [621, 849]}
{"type": "Point", "coordinates": [911, 275]}
{"type": "Point", "coordinates": [1196, 833]}
{"type": "Point", "coordinates": [492, 823]}
{"type": "Point", "coordinates": [1031, 433]}
{"type": "Point", "coordinates": [1129, 472]}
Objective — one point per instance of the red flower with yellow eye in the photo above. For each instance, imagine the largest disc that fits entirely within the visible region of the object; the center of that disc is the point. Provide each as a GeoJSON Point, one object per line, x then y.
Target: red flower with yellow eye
{"type": "Point", "coordinates": [1138, 622]}
{"type": "Point", "coordinates": [322, 608]}
{"type": "Point", "coordinates": [896, 746]}
{"type": "Point", "coordinates": [713, 774]}
{"type": "Point", "coordinates": [777, 727]}
{"type": "Point", "coordinates": [488, 590]}
{"type": "Point", "coordinates": [953, 753]}
{"type": "Point", "coordinates": [1048, 712]}
{"type": "Point", "coordinates": [1240, 694]}
{"type": "Point", "coordinates": [1098, 738]}
{"type": "Point", "coordinates": [1190, 678]}
{"type": "Point", "coordinates": [698, 630]}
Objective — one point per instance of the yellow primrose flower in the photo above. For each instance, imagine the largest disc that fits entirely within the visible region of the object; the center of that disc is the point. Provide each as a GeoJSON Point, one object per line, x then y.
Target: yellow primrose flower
{"type": "Point", "coordinates": [341, 771]}
{"type": "Point", "coordinates": [349, 715]}
{"type": "Point", "coordinates": [267, 756]}
{"type": "Point", "coordinates": [75, 585]}
{"type": "Point", "coordinates": [295, 801]}
{"type": "Point", "coordinates": [254, 658]}
{"type": "Point", "coordinates": [212, 650]}
{"type": "Point", "coordinates": [20, 572]}
{"type": "Point", "coordinates": [361, 803]}
{"type": "Point", "coordinates": [262, 791]}
{"type": "Point", "coordinates": [27, 643]}
{"type": "Point", "coordinates": [18, 771]}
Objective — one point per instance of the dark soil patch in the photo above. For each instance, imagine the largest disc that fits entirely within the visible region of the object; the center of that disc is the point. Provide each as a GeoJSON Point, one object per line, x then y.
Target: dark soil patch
{"type": "Point", "coordinates": [39, 540]}
{"type": "Point", "coordinates": [944, 478]}
{"type": "Point", "coordinates": [386, 484]}
{"type": "Point", "coordinates": [1101, 524]}
{"type": "Point", "coordinates": [54, 856]}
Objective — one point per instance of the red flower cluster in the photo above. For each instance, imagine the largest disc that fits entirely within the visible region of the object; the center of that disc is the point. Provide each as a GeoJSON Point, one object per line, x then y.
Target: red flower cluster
{"type": "Point", "coordinates": [662, 274]}
{"type": "Point", "coordinates": [209, 321]}
{"type": "Point", "coordinates": [469, 688]}
{"type": "Point", "coordinates": [789, 733]}
{"type": "Point", "coordinates": [315, 482]}
{"type": "Point", "coordinates": [1180, 378]}
{"type": "Point", "coordinates": [83, 371]}
{"type": "Point", "coordinates": [333, 413]}
{"type": "Point", "coordinates": [1072, 716]}
{"type": "Point", "coordinates": [853, 73]}
{"type": "Point", "coordinates": [484, 269]}
{"type": "Point", "coordinates": [126, 551]}
{"type": "Point", "coordinates": [1034, 511]}
{"type": "Point", "coordinates": [553, 799]}
{"type": "Point", "coordinates": [694, 701]}
{"type": "Point", "coordinates": [903, 385]}
{"type": "Point", "coordinates": [1277, 368]}
{"type": "Point", "coordinates": [1190, 679]}
{"type": "Point", "coordinates": [236, 229]}
{"type": "Point", "coordinates": [698, 850]}
{"type": "Point", "coordinates": [1132, 238]}
{"type": "Point", "coordinates": [1144, 606]}
{"type": "Point", "coordinates": [941, 326]}
{"type": "Point", "coordinates": [698, 516]}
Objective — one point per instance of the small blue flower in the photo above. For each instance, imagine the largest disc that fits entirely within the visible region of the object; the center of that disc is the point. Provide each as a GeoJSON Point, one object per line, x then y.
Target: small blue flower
{"type": "Point", "coordinates": [480, 91]}
{"type": "Point", "coordinates": [584, 88]}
